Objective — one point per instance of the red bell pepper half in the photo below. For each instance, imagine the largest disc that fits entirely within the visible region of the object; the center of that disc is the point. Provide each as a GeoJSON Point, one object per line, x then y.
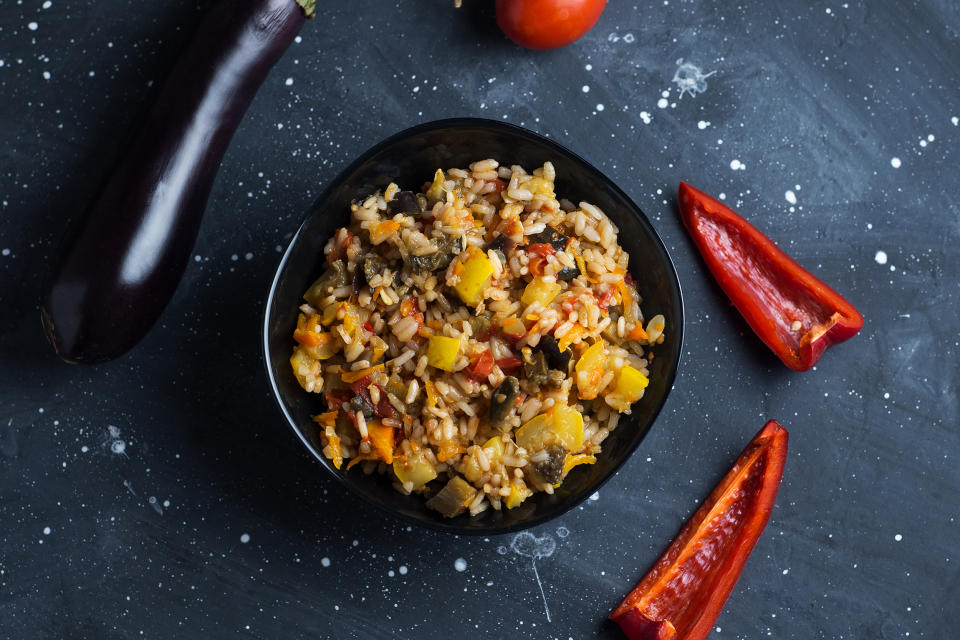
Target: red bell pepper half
{"type": "Point", "coordinates": [683, 594]}
{"type": "Point", "coordinates": [795, 314]}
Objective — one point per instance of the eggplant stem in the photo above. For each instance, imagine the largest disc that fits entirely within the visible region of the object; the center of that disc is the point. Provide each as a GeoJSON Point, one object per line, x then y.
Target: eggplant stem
{"type": "Point", "coordinates": [309, 7]}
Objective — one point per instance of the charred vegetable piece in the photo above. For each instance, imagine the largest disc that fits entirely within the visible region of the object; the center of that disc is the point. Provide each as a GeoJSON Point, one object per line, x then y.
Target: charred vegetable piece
{"type": "Point", "coordinates": [535, 367]}
{"type": "Point", "coordinates": [448, 249]}
{"type": "Point", "coordinates": [373, 264]}
{"type": "Point", "coordinates": [404, 202]}
{"type": "Point", "coordinates": [360, 403]}
{"type": "Point", "coordinates": [556, 359]}
{"type": "Point", "coordinates": [568, 273]}
{"type": "Point", "coordinates": [551, 469]}
{"type": "Point", "coordinates": [502, 400]}
{"type": "Point", "coordinates": [454, 498]}
{"type": "Point", "coordinates": [481, 324]}
{"type": "Point", "coordinates": [501, 244]}
{"type": "Point", "coordinates": [435, 191]}
{"type": "Point", "coordinates": [550, 236]}
{"type": "Point", "coordinates": [120, 269]}
{"type": "Point", "coordinates": [335, 276]}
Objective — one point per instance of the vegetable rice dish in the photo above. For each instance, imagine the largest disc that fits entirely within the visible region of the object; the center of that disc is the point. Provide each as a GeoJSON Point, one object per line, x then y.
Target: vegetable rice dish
{"type": "Point", "coordinates": [475, 340]}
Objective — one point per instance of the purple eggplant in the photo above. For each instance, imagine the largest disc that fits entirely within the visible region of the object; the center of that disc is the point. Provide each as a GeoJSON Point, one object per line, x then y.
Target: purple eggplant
{"type": "Point", "coordinates": [122, 266]}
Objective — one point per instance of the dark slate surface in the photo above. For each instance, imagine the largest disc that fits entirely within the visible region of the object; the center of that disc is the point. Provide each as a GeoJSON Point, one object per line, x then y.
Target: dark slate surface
{"type": "Point", "coordinates": [162, 496]}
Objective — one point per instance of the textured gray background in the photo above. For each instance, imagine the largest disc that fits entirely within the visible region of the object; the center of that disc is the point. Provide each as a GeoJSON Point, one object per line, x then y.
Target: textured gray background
{"type": "Point", "coordinates": [214, 521]}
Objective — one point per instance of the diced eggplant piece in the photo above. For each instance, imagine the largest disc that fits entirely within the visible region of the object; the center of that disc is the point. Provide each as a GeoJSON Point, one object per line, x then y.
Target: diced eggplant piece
{"type": "Point", "coordinates": [501, 244]}
{"type": "Point", "coordinates": [556, 359]}
{"type": "Point", "coordinates": [455, 497]}
{"type": "Point", "coordinates": [535, 367]}
{"type": "Point", "coordinates": [480, 324]}
{"type": "Point", "coordinates": [404, 202]}
{"type": "Point", "coordinates": [549, 236]}
{"type": "Point", "coordinates": [335, 276]}
{"type": "Point", "coordinates": [372, 265]}
{"type": "Point", "coordinates": [360, 403]}
{"type": "Point", "coordinates": [502, 400]}
{"type": "Point", "coordinates": [568, 273]}
{"type": "Point", "coordinates": [448, 249]}
{"type": "Point", "coordinates": [551, 469]}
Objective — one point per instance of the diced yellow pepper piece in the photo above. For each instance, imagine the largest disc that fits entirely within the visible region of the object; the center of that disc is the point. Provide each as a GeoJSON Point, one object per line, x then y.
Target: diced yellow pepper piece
{"type": "Point", "coordinates": [631, 383]}
{"type": "Point", "coordinates": [442, 352]}
{"type": "Point", "coordinates": [435, 192]}
{"type": "Point", "coordinates": [477, 270]}
{"type": "Point", "coordinates": [515, 497]}
{"type": "Point", "coordinates": [590, 370]}
{"type": "Point", "coordinates": [493, 448]}
{"type": "Point", "coordinates": [540, 291]}
{"type": "Point", "coordinates": [535, 435]}
{"type": "Point", "coordinates": [416, 469]}
{"type": "Point", "coordinates": [561, 425]}
{"type": "Point", "coordinates": [578, 459]}
{"type": "Point", "coordinates": [568, 427]}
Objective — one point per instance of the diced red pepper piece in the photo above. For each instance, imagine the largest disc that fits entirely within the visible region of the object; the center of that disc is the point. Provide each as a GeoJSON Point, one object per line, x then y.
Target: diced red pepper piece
{"type": "Point", "coordinates": [510, 364]}
{"type": "Point", "coordinates": [383, 408]}
{"type": "Point", "coordinates": [683, 594]}
{"type": "Point", "coordinates": [792, 311]}
{"type": "Point", "coordinates": [368, 326]}
{"type": "Point", "coordinates": [498, 185]}
{"type": "Point", "coordinates": [538, 257]}
{"type": "Point", "coordinates": [481, 367]}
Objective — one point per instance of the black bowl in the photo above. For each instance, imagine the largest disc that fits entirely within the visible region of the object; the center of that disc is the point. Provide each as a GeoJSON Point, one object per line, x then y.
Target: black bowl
{"type": "Point", "coordinates": [409, 158]}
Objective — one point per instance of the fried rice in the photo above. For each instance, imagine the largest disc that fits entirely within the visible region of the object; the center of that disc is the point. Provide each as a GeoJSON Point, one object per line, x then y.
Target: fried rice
{"type": "Point", "coordinates": [475, 340]}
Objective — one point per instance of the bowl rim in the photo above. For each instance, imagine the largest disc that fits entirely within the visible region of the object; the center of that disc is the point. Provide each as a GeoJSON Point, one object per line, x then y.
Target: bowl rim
{"type": "Point", "coordinates": [451, 526]}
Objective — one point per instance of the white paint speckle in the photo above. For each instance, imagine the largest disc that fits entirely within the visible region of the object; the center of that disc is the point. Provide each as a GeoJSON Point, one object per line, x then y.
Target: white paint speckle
{"type": "Point", "coordinates": [689, 78]}
{"type": "Point", "coordinates": [460, 564]}
{"type": "Point", "coordinates": [645, 117]}
{"type": "Point", "coordinates": [588, 67]}
{"type": "Point", "coordinates": [288, 82]}
{"type": "Point", "coordinates": [897, 537]}
{"type": "Point", "coordinates": [594, 497]}
{"type": "Point", "coordinates": [599, 107]}
{"type": "Point", "coordinates": [786, 571]}
{"type": "Point", "coordinates": [881, 257]}
{"type": "Point", "coordinates": [245, 538]}
{"type": "Point", "coordinates": [703, 124]}
{"type": "Point", "coordinates": [46, 531]}
{"type": "Point", "coordinates": [118, 447]}
{"type": "Point", "coordinates": [403, 569]}
{"type": "Point", "coordinates": [298, 39]}
{"type": "Point", "coordinates": [5, 252]}
{"type": "Point", "coordinates": [325, 562]}
{"type": "Point", "coordinates": [722, 196]}
{"type": "Point", "coordinates": [390, 573]}
{"type": "Point", "coordinates": [585, 88]}
{"type": "Point", "coordinates": [47, 4]}
{"type": "Point", "coordinates": [955, 120]}
{"type": "Point", "coordinates": [84, 449]}
{"type": "Point", "coordinates": [33, 26]}
{"type": "Point", "coordinates": [895, 162]}
{"type": "Point", "coordinates": [736, 165]}
{"type": "Point", "coordinates": [46, 75]}
{"type": "Point", "coordinates": [663, 103]}
{"type": "Point", "coordinates": [248, 256]}
{"type": "Point", "coordinates": [790, 196]}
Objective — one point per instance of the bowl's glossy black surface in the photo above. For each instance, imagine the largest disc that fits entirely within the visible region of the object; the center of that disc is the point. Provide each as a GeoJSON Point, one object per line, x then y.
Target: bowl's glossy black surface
{"type": "Point", "coordinates": [409, 158]}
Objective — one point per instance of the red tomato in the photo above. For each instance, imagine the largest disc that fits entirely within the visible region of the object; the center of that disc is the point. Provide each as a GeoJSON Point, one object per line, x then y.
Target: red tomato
{"type": "Point", "coordinates": [509, 364]}
{"type": "Point", "coordinates": [547, 24]}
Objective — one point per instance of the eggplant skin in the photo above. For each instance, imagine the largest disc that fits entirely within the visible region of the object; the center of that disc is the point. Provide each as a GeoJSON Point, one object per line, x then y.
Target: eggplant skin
{"type": "Point", "coordinates": [121, 267]}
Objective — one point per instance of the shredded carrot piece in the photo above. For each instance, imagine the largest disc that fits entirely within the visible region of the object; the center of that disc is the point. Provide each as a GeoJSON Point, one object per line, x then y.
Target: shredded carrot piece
{"type": "Point", "coordinates": [353, 376]}
{"type": "Point", "coordinates": [306, 338]}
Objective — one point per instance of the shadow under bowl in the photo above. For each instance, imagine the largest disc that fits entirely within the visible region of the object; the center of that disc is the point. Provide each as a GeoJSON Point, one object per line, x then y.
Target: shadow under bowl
{"type": "Point", "coordinates": [410, 158]}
